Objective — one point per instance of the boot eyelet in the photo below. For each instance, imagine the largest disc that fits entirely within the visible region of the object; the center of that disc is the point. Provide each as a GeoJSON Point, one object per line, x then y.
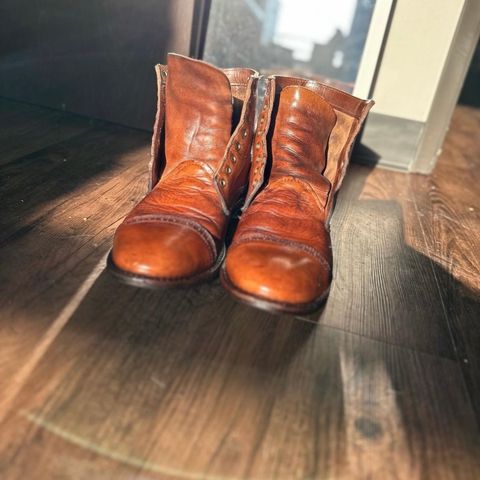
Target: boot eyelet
{"type": "Point", "coordinates": [228, 169]}
{"type": "Point", "coordinates": [244, 133]}
{"type": "Point", "coordinates": [237, 145]}
{"type": "Point", "coordinates": [234, 158]}
{"type": "Point", "coordinates": [223, 182]}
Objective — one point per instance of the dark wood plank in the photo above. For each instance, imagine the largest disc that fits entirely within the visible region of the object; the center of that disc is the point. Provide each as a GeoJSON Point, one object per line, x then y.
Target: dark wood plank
{"type": "Point", "coordinates": [26, 128]}
{"type": "Point", "coordinates": [382, 287]}
{"type": "Point", "coordinates": [163, 383]}
{"type": "Point", "coordinates": [448, 201]}
{"type": "Point", "coordinates": [60, 207]}
{"type": "Point", "coordinates": [420, 254]}
{"type": "Point", "coordinates": [35, 184]}
{"type": "Point", "coordinates": [450, 221]}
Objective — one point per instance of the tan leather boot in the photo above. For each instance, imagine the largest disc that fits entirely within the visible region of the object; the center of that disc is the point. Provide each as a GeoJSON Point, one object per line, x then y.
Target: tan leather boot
{"type": "Point", "coordinates": [280, 259]}
{"type": "Point", "coordinates": [201, 155]}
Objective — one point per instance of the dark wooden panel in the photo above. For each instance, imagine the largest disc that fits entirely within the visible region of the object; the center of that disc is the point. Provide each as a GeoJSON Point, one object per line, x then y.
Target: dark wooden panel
{"type": "Point", "coordinates": [91, 57]}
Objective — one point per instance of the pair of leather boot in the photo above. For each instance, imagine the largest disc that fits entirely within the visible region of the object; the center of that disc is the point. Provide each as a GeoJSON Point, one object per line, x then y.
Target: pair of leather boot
{"type": "Point", "coordinates": [208, 160]}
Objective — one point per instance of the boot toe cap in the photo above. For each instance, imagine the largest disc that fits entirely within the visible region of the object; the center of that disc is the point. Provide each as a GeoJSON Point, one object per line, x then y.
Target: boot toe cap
{"type": "Point", "coordinates": [277, 272]}
{"type": "Point", "coordinates": [161, 250]}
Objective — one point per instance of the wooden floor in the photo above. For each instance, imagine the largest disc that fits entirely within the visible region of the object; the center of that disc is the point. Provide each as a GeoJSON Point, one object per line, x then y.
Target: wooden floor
{"type": "Point", "coordinates": [104, 381]}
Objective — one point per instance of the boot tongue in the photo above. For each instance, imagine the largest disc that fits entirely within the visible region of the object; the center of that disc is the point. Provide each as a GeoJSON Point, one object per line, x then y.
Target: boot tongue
{"type": "Point", "coordinates": [198, 112]}
{"type": "Point", "coordinates": [302, 127]}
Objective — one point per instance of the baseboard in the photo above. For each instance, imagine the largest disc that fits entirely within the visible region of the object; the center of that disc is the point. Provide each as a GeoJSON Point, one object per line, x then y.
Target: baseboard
{"type": "Point", "coordinates": [388, 141]}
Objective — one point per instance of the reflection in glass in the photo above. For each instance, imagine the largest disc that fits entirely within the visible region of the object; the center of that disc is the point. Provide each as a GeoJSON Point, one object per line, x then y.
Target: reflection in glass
{"type": "Point", "coordinates": [314, 38]}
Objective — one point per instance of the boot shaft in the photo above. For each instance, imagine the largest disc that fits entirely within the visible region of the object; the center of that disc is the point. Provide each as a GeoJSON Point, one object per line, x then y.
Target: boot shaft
{"type": "Point", "coordinates": [303, 123]}
{"type": "Point", "coordinates": [305, 128]}
{"type": "Point", "coordinates": [206, 115]}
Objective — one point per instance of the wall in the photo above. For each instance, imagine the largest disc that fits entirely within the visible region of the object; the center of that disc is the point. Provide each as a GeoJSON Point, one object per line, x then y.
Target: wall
{"type": "Point", "coordinates": [426, 55]}
{"type": "Point", "coordinates": [93, 57]}
{"type": "Point", "coordinates": [415, 53]}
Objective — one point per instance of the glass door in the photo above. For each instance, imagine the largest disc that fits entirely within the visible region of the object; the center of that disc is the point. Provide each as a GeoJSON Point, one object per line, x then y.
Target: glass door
{"type": "Point", "coordinates": [318, 39]}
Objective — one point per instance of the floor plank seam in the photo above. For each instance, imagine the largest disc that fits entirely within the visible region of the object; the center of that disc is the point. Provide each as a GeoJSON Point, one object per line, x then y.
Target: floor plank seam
{"type": "Point", "coordinates": [405, 348]}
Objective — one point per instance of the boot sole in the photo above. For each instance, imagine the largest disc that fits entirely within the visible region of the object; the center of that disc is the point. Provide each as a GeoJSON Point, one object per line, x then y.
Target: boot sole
{"type": "Point", "coordinates": [145, 281]}
{"type": "Point", "coordinates": [270, 305]}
